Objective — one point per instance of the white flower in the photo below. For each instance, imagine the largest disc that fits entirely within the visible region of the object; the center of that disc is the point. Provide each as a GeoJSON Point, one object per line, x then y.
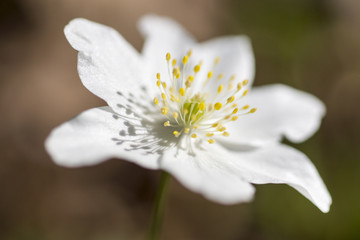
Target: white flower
{"type": "Point", "coordinates": [194, 118]}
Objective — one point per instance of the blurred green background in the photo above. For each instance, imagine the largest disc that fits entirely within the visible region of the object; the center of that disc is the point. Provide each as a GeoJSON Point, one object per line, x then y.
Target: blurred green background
{"type": "Point", "coordinates": [308, 44]}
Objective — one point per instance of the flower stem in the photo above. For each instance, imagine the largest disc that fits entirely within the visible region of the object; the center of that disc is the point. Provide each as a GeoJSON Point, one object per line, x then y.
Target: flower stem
{"type": "Point", "coordinates": [159, 207]}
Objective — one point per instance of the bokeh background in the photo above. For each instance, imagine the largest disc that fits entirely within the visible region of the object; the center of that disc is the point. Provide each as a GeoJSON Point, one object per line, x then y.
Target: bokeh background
{"type": "Point", "coordinates": [313, 45]}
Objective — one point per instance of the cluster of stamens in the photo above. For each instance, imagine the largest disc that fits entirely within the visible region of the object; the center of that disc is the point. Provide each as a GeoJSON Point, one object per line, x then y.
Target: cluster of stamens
{"type": "Point", "coordinates": [193, 113]}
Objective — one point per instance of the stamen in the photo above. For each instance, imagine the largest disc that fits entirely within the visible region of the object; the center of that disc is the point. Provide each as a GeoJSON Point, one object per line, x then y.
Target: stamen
{"type": "Point", "coordinates": [230, 99]}
{"type": "Point", "coordinates": [198, 112]}
{"type": "Point", "coordinates": [197, 68]}
{"type": "Point", "coordinates": [164, 110]}
{"type": "Point", "coordinates": [189, 53]}
{"type": "Point", "coordinates": [252, 110]}
{"type": "Point", "coordinates": [217, 106]}
{"type": "Point", "coordinates": [202, 106]}
{"type": "Point", "coordinates": [245, 92]}
{"type": "Point", "coordinates": [175, 115]}
{"type": "Point", "coordinates": [220, 76]}
{"type": "Point", "coordinates": [220, 88]}
{"type": "Point", "coordinates": [185, 59]}
{"type": "Point", "coordinates": [239, 87]}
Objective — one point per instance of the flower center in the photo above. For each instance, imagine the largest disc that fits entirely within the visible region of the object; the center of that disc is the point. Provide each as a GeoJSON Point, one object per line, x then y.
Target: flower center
{"type": "Point", "coordinates": [192, 109]}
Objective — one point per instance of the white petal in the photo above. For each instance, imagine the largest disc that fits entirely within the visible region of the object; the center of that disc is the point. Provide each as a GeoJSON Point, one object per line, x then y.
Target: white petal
{"type": "Point", "coordinates": [236, 59]}
{"type": "Point", "coordinates": [283, 164]}
{"type": "Point", "coordinates": [163, 35]}
{"type": "Point", "coordinates": [107, 63]}
{"type": "Point", "coordinates": [99, 134]}
{"type": "Point", "coordinates": [282, 111]}
{"type": "Point", "coordinates": [208, 172]}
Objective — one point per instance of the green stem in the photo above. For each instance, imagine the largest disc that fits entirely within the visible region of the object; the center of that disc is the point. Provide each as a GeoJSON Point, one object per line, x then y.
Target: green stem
{"type": "Point", "coordinates": [159, 208]}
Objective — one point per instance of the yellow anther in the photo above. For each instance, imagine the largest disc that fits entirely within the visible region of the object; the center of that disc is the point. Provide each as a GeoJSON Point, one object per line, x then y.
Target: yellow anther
{"type": "Point", "coordinates": [227, 117]}
{"type": "Point", "coordinates": [220, 88]}
{"type": "Point", "coordinates": [245, 107]}
{"type": "Point", "coordinates": [221, 129]}
{"type": "Point", "coordinates": [209, 134]}
{"type": "Point", "coordinates": [226, 134]}
{"type": "Point", "coordinates": [174, 62]}
{"type": "Point", "coordinates": [252, 110]}
{"type": "Point", "coordinates": [238, 87]}
{"type": "Point", "coordinates": [188, 83]}
{"type": "Point", "coordinates": [235, 110]}
{"type": "Point", "coordinates": [158, 76]}
{"type": "Point", "coordinates": [230, 86]}
{"type": "Point", "coordinates": [209, 75]}
{"type": "Point", "coordinates": [211, 141]}
{"type": "Point", "coordinates": [245, 92]}
{"type": "Point", "coordinates": [215, 125]}
{"type": "Point", "coordinates": [175, 115]}
{"type": "Point", "coordinates": [172, 98]}
{"type": "Point", "coordinates": [168, 57]}
{"type": "Point", "coordinates": [220, 76]}
{"type": "Point", "coordinates": [163, 96]}
{"type": "Point", "coordinates": [156, 101]}
{"type": "Point", "coordinates": [193, 135]}
{"type": "Point", "coordinates": [245, 82]}
{"type": "Point", "coordinates": [164, 110]}
{"type": "Point", "coordinates": [232, 78]}
{"type": "Point", "coordinates": [189, 53]}
{"type": "Point", "coordinates": [182, 91]}
{"type": "Point", "coordinates": [185, 59]}
{"type": "Point", "coordinates": [234, 105]}
{"type": "Point", "coordinates": [234, 118]}
{"type": "Point", "coordinates": [171, 89]}
{"type": "Point", "coordinates": [167, 123]}
{"type": "Point", "coordinates": [187, 130]}
{"type": "Point", "coordinates": [190, 78]}
{"type": "Point", "coordinates": [230, 99]}
{"type": "Point", "coordinates": [164, 85]}
{"type": "Point", "coordinates": [217, 106]}
{"type": "Point", "coordinates": [197, 68]}
{"type": "Point", "coordinates": [158, 83]}
{"type": "Point", "coordinates": [193, 117]}
{"type": "Point", "coordinates": [196, 127]}
{"type": "Point", "coordinates": [185, 111]}
{"type": "Point", "coordinates": [176, 133]}
{"type": "Point", "coordinates": [217, 60]}
{"type": "Point", "coordinates": [202, 106]}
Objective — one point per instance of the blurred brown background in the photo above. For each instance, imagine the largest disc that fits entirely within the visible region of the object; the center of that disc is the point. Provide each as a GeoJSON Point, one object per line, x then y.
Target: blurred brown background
{"type": "Point", "coordinates": [311, 45]}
